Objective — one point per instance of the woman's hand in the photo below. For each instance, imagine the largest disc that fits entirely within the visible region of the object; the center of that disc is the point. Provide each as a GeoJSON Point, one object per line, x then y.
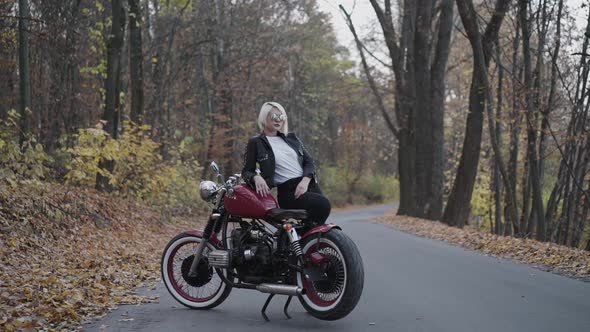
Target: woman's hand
{"type": "Point", "coordinates": [261, 186]}
{"type": "Point", "coordinates": [302, 187]}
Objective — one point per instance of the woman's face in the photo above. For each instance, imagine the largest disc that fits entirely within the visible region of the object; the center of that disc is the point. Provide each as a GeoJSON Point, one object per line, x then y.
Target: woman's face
{"type": "Point", "coordinates": [274, 120]}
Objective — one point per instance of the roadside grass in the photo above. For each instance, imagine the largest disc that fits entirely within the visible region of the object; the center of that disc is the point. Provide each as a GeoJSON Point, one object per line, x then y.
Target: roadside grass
{"type": "Point", "coordinates": [544, 255]}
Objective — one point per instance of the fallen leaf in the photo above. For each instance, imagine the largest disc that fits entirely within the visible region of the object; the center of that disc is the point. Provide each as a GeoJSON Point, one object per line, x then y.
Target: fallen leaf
{"type": "Point", "coordinates": [545, 255]}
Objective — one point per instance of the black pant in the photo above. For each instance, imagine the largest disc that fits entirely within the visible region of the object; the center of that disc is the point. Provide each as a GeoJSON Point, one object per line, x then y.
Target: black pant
{"type": "Point", "coordinates": [313, 201]}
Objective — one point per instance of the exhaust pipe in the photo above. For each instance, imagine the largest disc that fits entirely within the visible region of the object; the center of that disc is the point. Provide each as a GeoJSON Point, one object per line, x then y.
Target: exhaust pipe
{"type": "Point", "coordinates": [280, 289]}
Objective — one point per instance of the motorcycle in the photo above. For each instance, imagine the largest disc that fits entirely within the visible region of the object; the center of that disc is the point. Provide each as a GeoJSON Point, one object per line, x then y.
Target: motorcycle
{"type": "Point", "coordinates": [249, 242]}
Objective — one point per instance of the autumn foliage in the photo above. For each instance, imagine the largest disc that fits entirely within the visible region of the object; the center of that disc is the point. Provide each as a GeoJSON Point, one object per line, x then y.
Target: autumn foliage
{"type": "Point", "coordinates": [548, 256]}
{"type": "Point", "coordinates": [471, 112]}
{"type": "Point", "coordinates": [68, 254]}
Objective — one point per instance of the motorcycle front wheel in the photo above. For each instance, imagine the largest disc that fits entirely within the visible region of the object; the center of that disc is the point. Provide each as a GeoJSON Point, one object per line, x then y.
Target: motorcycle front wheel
{"type": "Point", "coordinates": [335, 297]}
{"type": "Point", "coordinates": [205, 291]}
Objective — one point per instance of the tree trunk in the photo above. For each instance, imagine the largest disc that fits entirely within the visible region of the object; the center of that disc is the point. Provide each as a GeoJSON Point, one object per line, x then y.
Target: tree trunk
{"type": "Point", "coordinates": [512, 225]}
{"type": "Point", "coordinates": [403, 65]}
{"type": "Point", "coordinates": [419, 104]}
{"type": "Point", "coordinates": [459, 203]}
{"type": "Point", "coordinates": [164, 39]}
{"type": "Point", "coordinates": [111, 86]}
{"type": "Point", "coordinates": [531, 116]}
{"type": "Point", "coordinates": [544, 108]}
{"type": "Point", "coordinates": [136, 61]}
{"type": "Point", "coordinates": [406, 161]}
{"type": "Point", "coordinates": [581, 202]}
{"type": "Point", "coordinates": [8, 70]}
{"type": "Point", "coordinates": [496, 183]}
{"type": "Point", "coordinates": [552, 203]}
{"type": "Point", "coordinates": [221, 131]}
{"type": "Point", "coordinates": [423, 110]}
{"type": "Point", "coordinates": [574, 159]}
{"type": "Point", "coordinates": [23, 61]}
{"type": "Point", "coordinates": [526, 196]}
{"type": "Point", "coordinates": [441, 55]}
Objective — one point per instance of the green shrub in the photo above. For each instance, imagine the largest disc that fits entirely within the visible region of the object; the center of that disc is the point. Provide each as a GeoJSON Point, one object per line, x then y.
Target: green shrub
{"type": "Point", "coordinates": [482, 201]}
{"type": "Point", "coordinates": [332, 185]}
{"type": "Point", "coordinates": [370, 189]}
{"type": "Point", "coordinates": [20, 162]}
{"type": "Point", "coordinates": [140, 170]}
{"type": "Point", "coordinates": [380, 188]}
{"type": "Point", "coordinates": [175, 186]}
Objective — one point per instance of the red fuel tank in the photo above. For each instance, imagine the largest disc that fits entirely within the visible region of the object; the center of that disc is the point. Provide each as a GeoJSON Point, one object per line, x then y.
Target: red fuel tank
{"type": "Point", "coordinates": [245, 202]}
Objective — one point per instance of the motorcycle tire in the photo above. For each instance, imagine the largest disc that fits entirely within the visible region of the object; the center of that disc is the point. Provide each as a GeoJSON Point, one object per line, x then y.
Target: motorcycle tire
{"type": "Point", "coordinates": [205, 291]}
{"type": "Point", "coordinates": [337, 296]}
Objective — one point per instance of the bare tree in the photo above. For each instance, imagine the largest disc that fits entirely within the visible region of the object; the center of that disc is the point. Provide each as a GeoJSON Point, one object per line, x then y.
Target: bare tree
{"type": "Point", "coordinates": [458, 205]}
{"type": "Point", "coordinates": [555, 196]}
{"type": "Point", "coordinates": [136, 61]}
{"type": "Point", "coordinates": [532, 120]}
{"type": "Point", "coordinates": [496, 180]}
{"type": "Point", "coordinates": [576, 158]}
{"type": "Point", "coordinates": [23, 60]}
{"type": "Point", "coordinates": [112, 85]}
{"type": "Point", "coordinates": [418, 61]}
{"type": "Point", "coordinates": [514, 129]}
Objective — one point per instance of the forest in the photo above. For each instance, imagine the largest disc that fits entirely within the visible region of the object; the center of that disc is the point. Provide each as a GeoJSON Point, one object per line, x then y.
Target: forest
{"type": "Point", "coordinates": [466, 112]}
{"type": "Point", "coordinates": [469, 118]}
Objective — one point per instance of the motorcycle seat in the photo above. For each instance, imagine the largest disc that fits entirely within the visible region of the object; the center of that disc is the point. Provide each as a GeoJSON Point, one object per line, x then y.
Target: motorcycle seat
{"type": "Point", "coordinates": [282, 214]}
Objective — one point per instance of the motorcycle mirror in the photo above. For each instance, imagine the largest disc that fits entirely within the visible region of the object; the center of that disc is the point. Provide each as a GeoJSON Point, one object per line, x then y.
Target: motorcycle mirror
{"type": "Point", "coordinates": [214, 167]}
{"type": "Point", "coordinates": [217, 171]}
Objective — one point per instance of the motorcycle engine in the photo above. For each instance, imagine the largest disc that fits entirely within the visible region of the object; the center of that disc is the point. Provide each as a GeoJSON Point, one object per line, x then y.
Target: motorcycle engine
{"type": "Point", "coordinates": [252, 253]}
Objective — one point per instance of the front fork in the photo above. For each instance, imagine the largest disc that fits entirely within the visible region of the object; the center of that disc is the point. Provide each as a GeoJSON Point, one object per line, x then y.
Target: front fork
{"type": "Point", "coordinates": [213, 224]}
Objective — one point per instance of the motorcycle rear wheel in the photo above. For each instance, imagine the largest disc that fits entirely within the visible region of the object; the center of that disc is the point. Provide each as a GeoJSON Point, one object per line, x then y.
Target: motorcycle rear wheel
{"type": "Point", "coordinates": [205, 291]}
{"type": "Point", "coordinates": [336, 297]}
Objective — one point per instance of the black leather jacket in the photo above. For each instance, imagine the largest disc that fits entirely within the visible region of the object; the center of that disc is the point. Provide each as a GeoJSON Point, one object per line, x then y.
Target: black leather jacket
{"type": "Point", "coordinates": [259, 151]}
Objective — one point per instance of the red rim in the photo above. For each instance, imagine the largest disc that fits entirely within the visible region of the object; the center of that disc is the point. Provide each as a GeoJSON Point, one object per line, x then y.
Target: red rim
{"type": "Point", "coordinates": [178, 288]}
{"type": "Point", "coordinates": [312, 293]}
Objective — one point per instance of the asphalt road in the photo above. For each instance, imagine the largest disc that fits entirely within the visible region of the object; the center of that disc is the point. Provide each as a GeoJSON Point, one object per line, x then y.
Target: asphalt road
{"type": "Point", "coordinates": [411, 284]}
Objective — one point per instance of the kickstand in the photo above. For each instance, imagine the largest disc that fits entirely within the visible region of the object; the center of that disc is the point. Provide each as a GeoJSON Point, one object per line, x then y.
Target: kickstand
{"type": "Point", "coordinates": [266, 305]}
{"type": "Point", "coordinates": [287, 306]}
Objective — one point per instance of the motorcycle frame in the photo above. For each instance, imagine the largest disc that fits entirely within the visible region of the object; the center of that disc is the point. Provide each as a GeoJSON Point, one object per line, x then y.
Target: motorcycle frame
{"type": "Point", "coordinates": [219, 219]}
{"type": "Point", "coordinates": [218, 222]}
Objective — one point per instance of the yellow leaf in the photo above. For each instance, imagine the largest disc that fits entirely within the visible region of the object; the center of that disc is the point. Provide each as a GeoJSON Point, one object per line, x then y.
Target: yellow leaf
{"type": "Point", "coordinates": [98, 286]}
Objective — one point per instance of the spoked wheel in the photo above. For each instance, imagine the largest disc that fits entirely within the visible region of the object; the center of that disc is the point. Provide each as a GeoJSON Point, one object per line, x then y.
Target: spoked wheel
{"type": "Point", "coordinates": [335, 296]}
{"type": "Point", "coordinates": [205, 291]}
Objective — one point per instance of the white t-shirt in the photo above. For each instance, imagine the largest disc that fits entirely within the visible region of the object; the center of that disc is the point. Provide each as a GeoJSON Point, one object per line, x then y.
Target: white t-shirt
{"type": "Point", "coordinates": [286, 163]}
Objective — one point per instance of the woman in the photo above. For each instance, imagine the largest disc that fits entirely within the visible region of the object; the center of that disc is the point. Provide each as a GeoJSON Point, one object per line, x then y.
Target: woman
{"type": "Point", "coordinates": [284, 163]}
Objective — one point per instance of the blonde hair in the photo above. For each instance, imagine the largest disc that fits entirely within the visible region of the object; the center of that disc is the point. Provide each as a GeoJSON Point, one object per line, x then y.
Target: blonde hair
{"type": "Point", "coordinates": [265, 109]}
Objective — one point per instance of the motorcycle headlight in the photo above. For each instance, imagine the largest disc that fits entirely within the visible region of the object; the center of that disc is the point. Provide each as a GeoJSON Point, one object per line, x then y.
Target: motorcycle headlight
{"type": "Point", "coordinates": [207, 189]}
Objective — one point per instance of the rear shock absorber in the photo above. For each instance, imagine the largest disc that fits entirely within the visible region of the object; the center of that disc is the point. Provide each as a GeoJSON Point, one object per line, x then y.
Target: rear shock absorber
{"type": "Point", "coordinates": [296, 247]}
{"type": "Point", "coordinates": [294, 240]}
